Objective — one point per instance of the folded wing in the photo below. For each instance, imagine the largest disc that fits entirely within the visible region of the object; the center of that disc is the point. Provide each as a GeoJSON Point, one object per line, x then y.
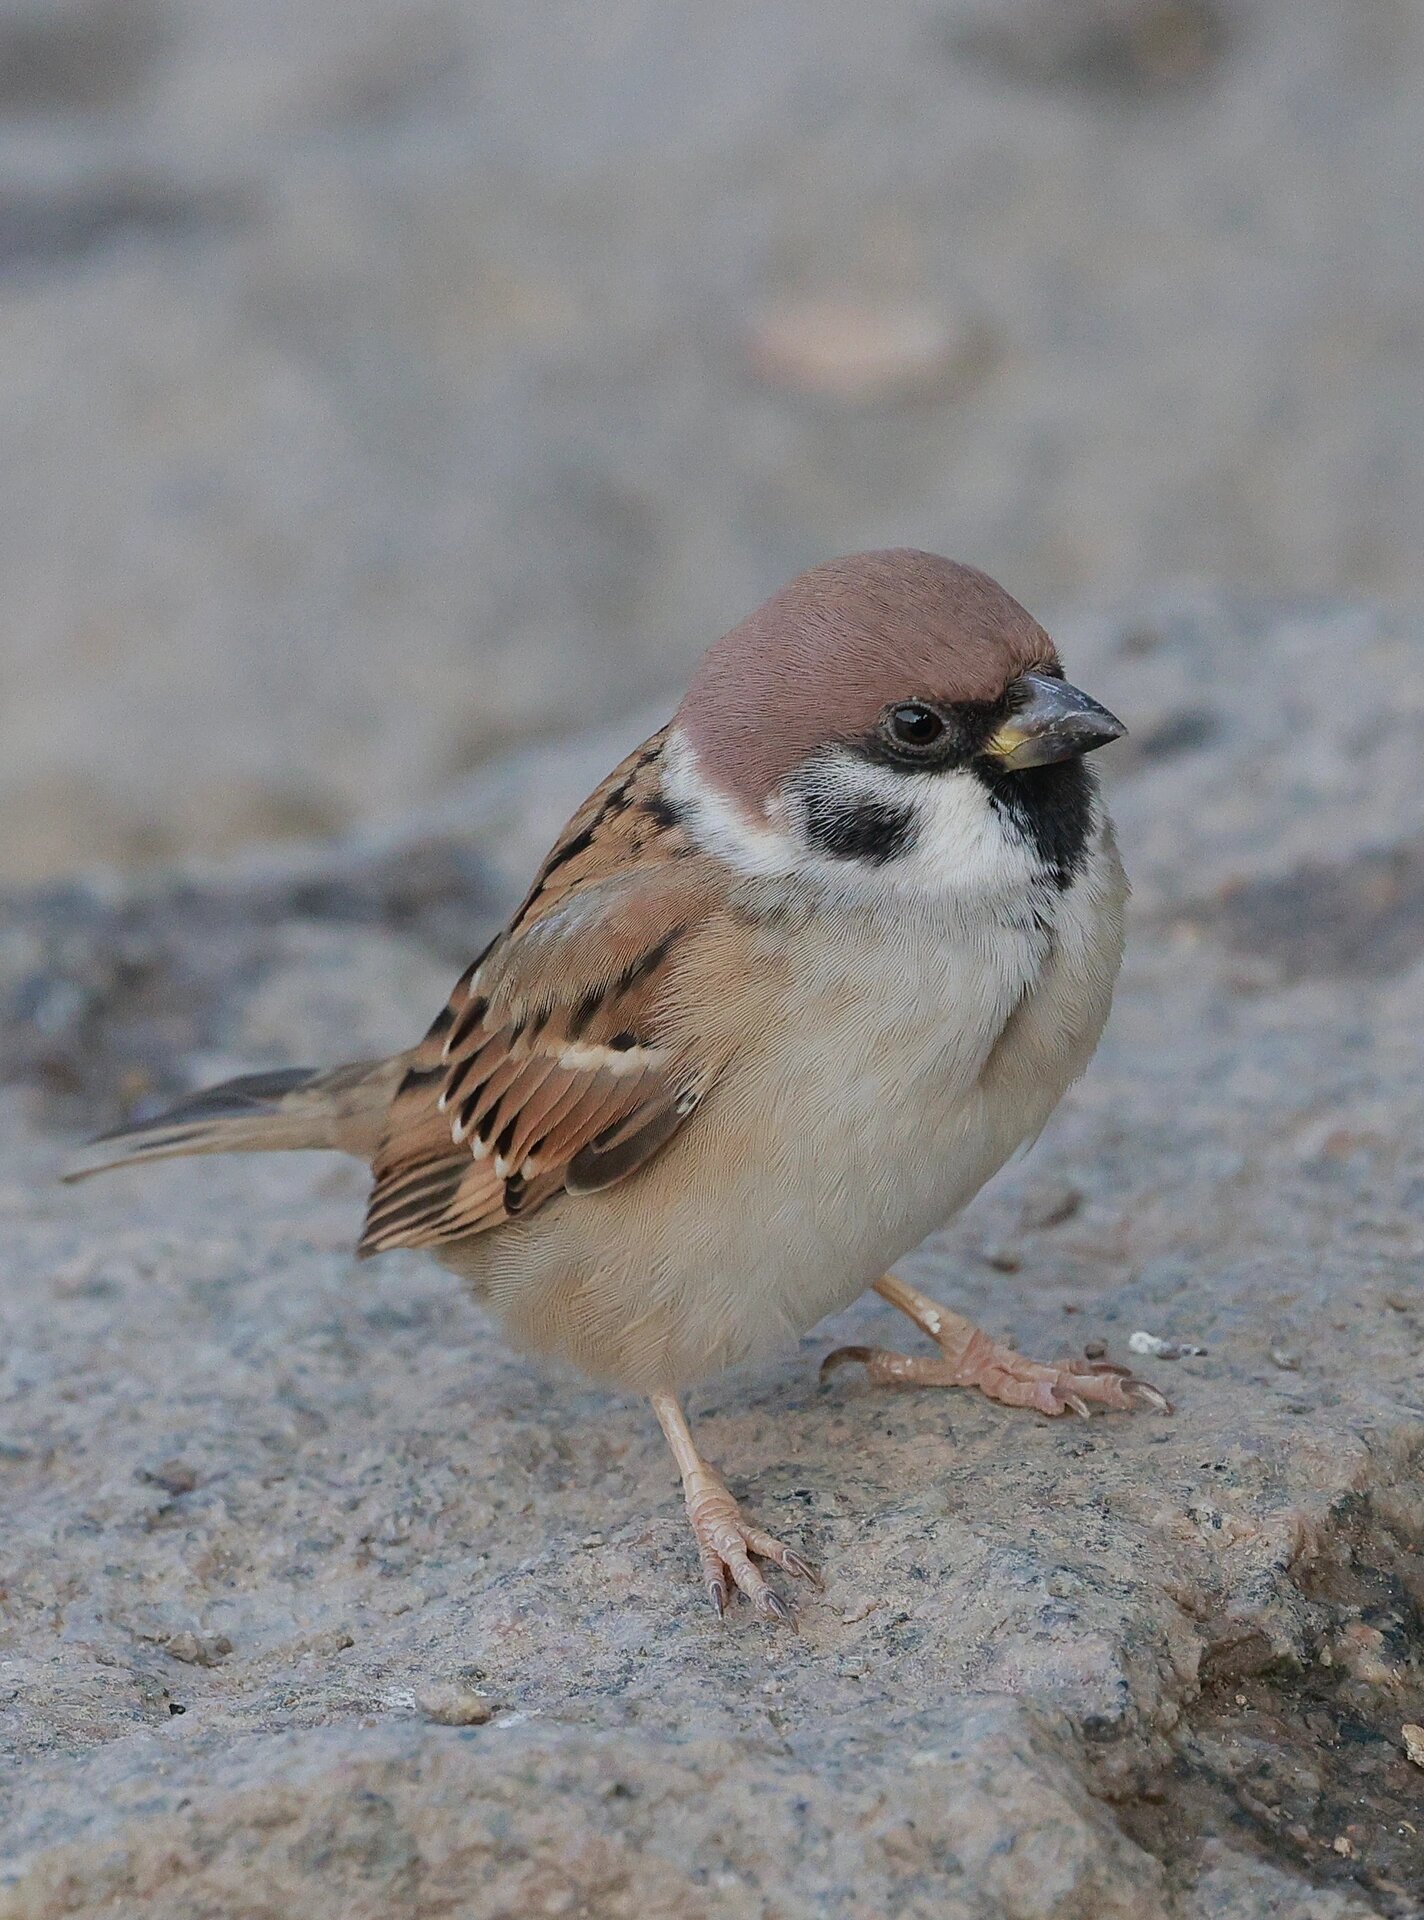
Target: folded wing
{"type": "Point", "coordinates": [565, 1057]}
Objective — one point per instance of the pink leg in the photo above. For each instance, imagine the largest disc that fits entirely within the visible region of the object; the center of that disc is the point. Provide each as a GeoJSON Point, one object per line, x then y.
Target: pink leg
{"type": "Point", "coordinates": [726, 1540]}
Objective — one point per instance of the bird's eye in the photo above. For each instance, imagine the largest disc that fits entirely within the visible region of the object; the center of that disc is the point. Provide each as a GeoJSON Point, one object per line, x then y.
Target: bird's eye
{"type": "Point", "coordinates": [914, 726]}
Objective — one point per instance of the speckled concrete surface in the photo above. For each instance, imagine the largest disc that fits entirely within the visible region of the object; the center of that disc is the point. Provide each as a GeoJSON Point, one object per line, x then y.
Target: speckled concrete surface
{"type": "Point", "coordinates": [1153, 1668]}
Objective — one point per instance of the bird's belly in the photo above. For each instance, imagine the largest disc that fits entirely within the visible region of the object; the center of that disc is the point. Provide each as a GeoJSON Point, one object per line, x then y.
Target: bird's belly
{"type": "Point", "coordinates": [891, 1157]}
{"type": "Point", "coordinates": [820, 1158]}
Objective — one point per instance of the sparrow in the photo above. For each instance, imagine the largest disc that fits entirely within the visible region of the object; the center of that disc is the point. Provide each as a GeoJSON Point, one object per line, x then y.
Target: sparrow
{"type": "Point", "coordinates": [805, 970]}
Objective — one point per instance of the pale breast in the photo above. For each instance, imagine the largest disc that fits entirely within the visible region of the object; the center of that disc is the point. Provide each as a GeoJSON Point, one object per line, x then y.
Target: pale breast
{"type": "Point", "coordinates": [893, 1069]}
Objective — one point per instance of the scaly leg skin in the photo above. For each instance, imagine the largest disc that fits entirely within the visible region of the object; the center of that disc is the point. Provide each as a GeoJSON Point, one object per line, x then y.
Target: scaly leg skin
{"type": "Point", "coordinates": [969, 1358]}
{"type": "Point", "coordinates": [725, 1540]}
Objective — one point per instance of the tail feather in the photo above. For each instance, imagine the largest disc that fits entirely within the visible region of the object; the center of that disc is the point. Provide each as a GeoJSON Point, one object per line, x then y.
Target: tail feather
{"type": "Point", "coordinates": [298, 1107]}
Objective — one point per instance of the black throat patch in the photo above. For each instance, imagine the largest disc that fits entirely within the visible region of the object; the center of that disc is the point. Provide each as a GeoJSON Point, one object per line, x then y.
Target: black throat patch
{"type": "Point", "coordinates": [1052, 807]}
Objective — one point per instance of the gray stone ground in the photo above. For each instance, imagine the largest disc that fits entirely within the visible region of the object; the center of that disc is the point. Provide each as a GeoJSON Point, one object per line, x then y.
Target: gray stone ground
{"type": "Point", "coordinates": [317, 1600]}
{"type": "Point", "coordinates": [379, 381]}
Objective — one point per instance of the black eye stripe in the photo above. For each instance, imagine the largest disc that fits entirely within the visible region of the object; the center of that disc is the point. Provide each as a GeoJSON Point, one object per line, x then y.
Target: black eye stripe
{"type": "Point", "coordinates": [925, 734]}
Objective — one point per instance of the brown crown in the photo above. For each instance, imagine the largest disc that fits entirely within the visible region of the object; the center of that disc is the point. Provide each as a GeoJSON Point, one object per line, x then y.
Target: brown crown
{"type": "Point", "coordinates": [821, 660]}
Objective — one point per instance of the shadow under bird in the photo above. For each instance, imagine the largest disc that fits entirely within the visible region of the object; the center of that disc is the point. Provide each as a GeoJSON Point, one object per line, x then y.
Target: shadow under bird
{"type": "Point", "coordinates": [807, 968]}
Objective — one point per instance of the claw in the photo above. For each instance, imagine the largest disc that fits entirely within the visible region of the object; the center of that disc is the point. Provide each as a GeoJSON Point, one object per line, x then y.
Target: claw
{"type": "Point", "coordinates": [769, 1601]}
{"type": "Point", "coordinates": [717, 1594]}
{"type": "Point", "coordinates": [1076, 1405]}
{"type": "Point", "coordinates": [803, 1569]}
{"type": "Point", "coordinates": [840, 1358]}
{"type": "Point", "coordinates": [1140, 1390]}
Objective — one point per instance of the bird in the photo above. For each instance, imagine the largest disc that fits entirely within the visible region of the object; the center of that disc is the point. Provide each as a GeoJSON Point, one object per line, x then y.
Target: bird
{"type": "Point", "coordinates": [807, 968]}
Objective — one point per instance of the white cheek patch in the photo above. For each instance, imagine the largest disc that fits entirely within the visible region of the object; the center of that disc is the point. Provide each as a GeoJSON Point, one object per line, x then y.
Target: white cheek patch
{"type": "Point", "coordinates": [718, 825]}
{"type": "Point", "coordinates": [966, 845]}
{"type": "Point", "coordinates": [942, 835]}
{"type": "Point", "coordinates": [955, 841]}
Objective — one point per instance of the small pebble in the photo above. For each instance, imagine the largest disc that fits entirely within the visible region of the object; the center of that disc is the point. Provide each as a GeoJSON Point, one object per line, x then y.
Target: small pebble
{"type": "Point", "coordinates": [1095, 1349]}
{"type": "Point", "coordinates": [1344, 1846]}
{"type": "Point", "coordinates": [859, 1610]}
{"type": "Point", "coordinates": [1160, 1349]}
{"type": "Point", "coordinates": [454, 1706]}
{"type": "Point", "coordinates": [174, 1476]}
{"type": "Point", "coordinates": [199, 1650]}
{"type": "Point", "coordinates": [1287, 1361]}
{"type": "Point", "coordinates": [1413, 1736]}
{"type": "Point", "coordinates": [1050, 1206]}
{"type": "Point", "coordinates": [1002, 1259]}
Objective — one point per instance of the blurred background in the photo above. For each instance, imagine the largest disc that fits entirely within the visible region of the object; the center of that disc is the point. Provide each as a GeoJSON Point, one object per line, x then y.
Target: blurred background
{"type": "Point", "coordinates": [380, 384]}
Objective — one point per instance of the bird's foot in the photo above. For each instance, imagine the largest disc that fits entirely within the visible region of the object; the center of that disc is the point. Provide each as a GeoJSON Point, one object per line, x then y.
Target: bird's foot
{"type": "Point", "coordinates": [728, 1545]}
{"type": "Point", "coordinates": [967, 1357]}
{"type": "Point", "coordinates": [1071, 1386]}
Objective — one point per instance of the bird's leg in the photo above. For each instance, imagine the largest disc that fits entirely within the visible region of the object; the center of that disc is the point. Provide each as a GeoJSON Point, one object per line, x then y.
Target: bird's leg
{"type": "Point", "coordinates": [725, 1540]}
{"type": "Point", "coordinates": [967, 1357]}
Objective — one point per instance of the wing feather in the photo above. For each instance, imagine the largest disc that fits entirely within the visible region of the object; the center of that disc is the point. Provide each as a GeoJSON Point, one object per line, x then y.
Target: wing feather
{"type": "Point", "coordinates": [565, 1057]}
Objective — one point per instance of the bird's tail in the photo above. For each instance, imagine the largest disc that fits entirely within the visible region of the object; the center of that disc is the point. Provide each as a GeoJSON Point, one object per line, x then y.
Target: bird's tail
{"type": "Point", "coordinates": [344, 1109]}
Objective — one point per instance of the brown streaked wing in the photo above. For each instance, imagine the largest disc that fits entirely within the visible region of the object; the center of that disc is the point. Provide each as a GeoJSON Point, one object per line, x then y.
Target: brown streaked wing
{"type": "Point", "coordinates": [625, 819]}
{"type": "Point", "coordinates": [552, 1065]}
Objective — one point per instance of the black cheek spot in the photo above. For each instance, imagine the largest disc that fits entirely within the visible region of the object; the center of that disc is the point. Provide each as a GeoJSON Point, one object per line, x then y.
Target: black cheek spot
{"type": "Point", "coordinates": [875, 831]}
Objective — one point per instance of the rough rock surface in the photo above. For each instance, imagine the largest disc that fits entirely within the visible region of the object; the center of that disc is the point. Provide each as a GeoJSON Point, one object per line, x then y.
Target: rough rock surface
{"type": "Point", "coordinates": [269, 1515]}
{"type": "Point", "coordinates": [377, 381]}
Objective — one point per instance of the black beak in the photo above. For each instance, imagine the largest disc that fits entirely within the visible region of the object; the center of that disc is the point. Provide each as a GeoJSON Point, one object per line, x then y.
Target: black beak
{"type": "Point", "coordinates": [1051, 720]}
